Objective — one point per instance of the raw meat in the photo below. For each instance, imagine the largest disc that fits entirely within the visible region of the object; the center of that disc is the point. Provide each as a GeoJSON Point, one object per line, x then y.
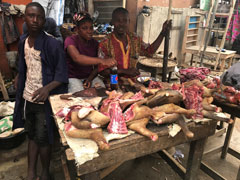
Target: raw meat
{"type": "Point", "coordinates": [117, 123]}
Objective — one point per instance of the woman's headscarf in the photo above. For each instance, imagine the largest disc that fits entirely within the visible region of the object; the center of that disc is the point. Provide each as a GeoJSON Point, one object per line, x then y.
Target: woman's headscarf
{"type": "Point", "coordinates": [81, 17]}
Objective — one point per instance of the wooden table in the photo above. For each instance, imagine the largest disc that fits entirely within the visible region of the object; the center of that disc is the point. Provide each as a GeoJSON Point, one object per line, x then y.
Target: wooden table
{"type": "Point", "coordinates": [135, 146]}
{"type": "Point", "coordinates": [233, 110]}
{"type": "Point", "coordinates": [228, 54]}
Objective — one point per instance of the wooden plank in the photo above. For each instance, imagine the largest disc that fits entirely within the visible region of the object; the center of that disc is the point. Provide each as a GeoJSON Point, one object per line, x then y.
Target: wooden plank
{"type": "Point", "coordinates": [213, 150]}
{"type": "Point", "coordinates": [175, 165]}
{"type": "Point", "coordinates": [228, 138]}
{"type": "Point", "coordinates": [225, 33]}
{"type": "Point", "coordinates": [194, 158]}
{"type": "Point", "coordinates": [3, 88]}
{"type": "Point", "coordinates": [65, 168]}
{"type": "Point", "coordinates": [142, 147]}
{"type": "Point", "coordinates": [90, 7]}
{"type": "Point", "coordinates": [238, 175]}
{"type": "Point", "coordinates": [234, 153]}
{"type": "Point", "coordinates": [209, 171]}
{"type": "Point", "coordinates": [108, 170]}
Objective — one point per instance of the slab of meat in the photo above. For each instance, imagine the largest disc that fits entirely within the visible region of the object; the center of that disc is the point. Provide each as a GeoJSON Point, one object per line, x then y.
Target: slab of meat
{"type": "Point", "coordinates": [164, 97]}
{"type": "Point", "coordinates": [112, 96]}
{"type": "Point", "coordinates": [193, 73]}
{"type": "Point", "coordinates": [140, 127]}
{"type": "Point", "coordinates": [135, 111]}
{"type": "Point", "coordinates": [91, 92]}
{"type": "Point", "coordinates": [117, 123]}
{"type": "Point", "coordinates": [193, 99]}
{"type": "Point", "coordinates": [158, 85]}
{"type": "Point", "coordinates": [93, 134]}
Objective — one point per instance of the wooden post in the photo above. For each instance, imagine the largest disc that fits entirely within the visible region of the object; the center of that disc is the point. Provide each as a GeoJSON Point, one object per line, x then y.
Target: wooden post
{"type": "Point", "coordinates": [90, 7]}
{"type": "Point", "coordinates": [225, 33]}
{"type": "Point", "coordinates": [3, 88]}
{"type": "Point", "coordinates": [194, 158]}
{"type": "Point", "coordinates": [166, 47]}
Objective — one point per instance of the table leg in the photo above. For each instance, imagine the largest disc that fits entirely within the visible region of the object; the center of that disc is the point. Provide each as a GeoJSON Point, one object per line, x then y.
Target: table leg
{"type": "Point", "coordinates": [222, 65]}
{"type": "Point", "coordinates": [228, 138]}
{"type": "Point", "coordinates": [91, 176]}
{"type": "Point", "coordinates": [230, 62]}
{"type": "Point", "coordinates": [194, 158]}
{"type": "Point", "coordinates": [191, 62]}
{"type": "Point", "coordinates": [238, 175]}
{"type": "Point", "coordinates": [169, 77]}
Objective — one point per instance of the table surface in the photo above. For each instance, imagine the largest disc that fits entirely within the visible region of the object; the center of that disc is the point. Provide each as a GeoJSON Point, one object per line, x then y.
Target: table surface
{"type": "Point", "coordinates": [132, 146]}
{"type": "Point", "coordinates": [211, 49]}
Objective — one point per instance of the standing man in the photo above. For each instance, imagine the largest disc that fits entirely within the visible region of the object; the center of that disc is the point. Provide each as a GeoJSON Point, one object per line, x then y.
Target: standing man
{"type": "Point", "coordinates": [42, 72]}
{"type": "Point", "coordinates": [125, 46]}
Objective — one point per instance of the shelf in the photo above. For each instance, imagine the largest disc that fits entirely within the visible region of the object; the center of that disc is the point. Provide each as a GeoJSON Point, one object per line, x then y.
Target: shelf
{"type": "Point", "coordinates": [192, 29]}
{"type": "Point", "coordinates": [195, 22]}
{"type": "Point", "coordinates": [191, 41]}
{"type": "Point", "coordinates": [192, 35]}
{"type": "Point", "coordinates": [222, 14]}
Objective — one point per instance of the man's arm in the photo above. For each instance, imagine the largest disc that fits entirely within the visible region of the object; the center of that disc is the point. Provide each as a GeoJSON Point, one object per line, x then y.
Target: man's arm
{"type": "Point", "coordinates": [86, 60]}
{"type": "Point", "coordinates": [155, 45]}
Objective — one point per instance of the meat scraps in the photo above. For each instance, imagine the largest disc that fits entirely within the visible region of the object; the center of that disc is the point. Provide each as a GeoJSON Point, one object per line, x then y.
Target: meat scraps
{"type": "Point", "coordinates": [193, 73]}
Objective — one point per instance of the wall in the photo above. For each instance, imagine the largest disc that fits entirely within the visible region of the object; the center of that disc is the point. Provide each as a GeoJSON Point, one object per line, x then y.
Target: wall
{"type": "Point", "coordinates": [4, 68]}
{"type": "Point", "coordinates": [135, 6]}
{"type": "Point", "coordinates": [149, 27]}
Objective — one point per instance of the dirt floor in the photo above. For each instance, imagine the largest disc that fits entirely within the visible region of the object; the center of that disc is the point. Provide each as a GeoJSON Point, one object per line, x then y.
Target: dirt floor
{"type": "Point", "coordinates": [13, 163]}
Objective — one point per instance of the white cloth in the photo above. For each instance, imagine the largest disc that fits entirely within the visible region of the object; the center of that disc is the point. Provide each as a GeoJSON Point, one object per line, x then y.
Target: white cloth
{"type": "Point", "coordinates": [53, 9]}
{"type": "Point", "coordinates": [77, 84]}
{"type": "Point", "coordinates": [34, 71]}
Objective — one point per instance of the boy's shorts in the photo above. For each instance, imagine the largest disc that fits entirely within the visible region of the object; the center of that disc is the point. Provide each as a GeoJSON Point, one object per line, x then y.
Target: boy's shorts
{"type": "Point", "coordinates": [35, 125]}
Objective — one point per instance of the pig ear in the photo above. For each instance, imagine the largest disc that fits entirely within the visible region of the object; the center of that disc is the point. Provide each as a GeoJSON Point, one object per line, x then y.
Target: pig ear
{"type": "Point", "coordinates": [107, 92]}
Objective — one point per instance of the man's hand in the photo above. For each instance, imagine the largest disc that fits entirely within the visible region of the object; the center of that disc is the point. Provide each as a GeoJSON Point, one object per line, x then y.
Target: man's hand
{"type": "Point", "coordinates": [132, 72]}
{"type": "Point", "coordinates": [40, 95]}
{"type": "Point", "coordinates": [167, 25]}
{"type": "Point", "coordinates": [108, 62]}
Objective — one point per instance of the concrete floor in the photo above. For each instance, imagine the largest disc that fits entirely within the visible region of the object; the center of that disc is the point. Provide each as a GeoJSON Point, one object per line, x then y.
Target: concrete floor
{"type": "Point", "coordinates": [13, 163]}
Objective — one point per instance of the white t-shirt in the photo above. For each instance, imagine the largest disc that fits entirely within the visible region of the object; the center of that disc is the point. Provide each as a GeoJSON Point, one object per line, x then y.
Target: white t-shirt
{"type": "Point", "coordinates": [34, 71]}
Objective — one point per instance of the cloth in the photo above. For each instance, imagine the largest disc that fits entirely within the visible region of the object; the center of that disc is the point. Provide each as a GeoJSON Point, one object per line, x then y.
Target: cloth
{"type": "Point", "coordinates": [50, 27]}
{"type": "Point", "coordinates": [236, 44]}
{"type": "Point", "coordinates": [232, 76]}
{"type": "Point", "coordinates": [77, 84]}
{"type": "Point", "coordinates": [90, 49]}
{"type": "Point", "coordinates": [6, 108]}
{"type": "Point", "coordinates": [6, 124]}
{"type": "Point", "coordinates": [54, 68]}
{"type": "Point", "coordinates": [53, 9]}
{"type": "Point", "coordinates": [234, 26]}
{"type": "Point", "coordinates": [34, 72]}
{"type": "Point", "coordinates": [36, 125]}
{"type": "Point", "coordinates": [9, 29]}
{"type": "Point", "coordinates": [111, 47]}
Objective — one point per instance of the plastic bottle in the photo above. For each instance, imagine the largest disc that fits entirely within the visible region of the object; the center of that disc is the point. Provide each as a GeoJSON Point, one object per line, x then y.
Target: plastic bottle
{"type": "Point", "coordinates": [114, 78]}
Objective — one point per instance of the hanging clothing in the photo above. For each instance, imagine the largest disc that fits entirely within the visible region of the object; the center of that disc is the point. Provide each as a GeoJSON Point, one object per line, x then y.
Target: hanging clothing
{"type": "Point", "coordinates": [234, 26]}
{"type": "Point", "coordinates": [53, 9]}
{"type": "Point", "coordinates": [10, 32]}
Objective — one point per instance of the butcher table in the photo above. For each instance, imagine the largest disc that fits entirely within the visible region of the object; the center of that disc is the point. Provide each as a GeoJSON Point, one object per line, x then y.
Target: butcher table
{"type": "Point", "coordinates": [233, 110]}
{"type": "Point", "coordinates": [135, 146]}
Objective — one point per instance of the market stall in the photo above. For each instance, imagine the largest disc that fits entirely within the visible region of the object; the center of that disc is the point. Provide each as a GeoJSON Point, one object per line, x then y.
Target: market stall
{"type": "Point", "coordinates": [144, 120]}
{"type": "Point", "coordinates": [134, 146]}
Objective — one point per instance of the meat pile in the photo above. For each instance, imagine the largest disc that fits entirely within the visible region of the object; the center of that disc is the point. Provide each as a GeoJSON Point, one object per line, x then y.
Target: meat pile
{"type": "Point", "coordinates": [193, 73]}
{"type": "Point", "coordinates": [158, 103]}
{"type": "Point", "coordinates": [223, 93]}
